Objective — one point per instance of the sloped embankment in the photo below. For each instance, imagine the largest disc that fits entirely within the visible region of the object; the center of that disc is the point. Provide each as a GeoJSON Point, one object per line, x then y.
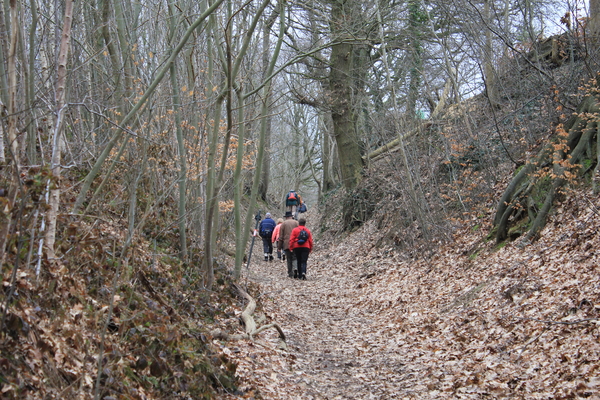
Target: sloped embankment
{"type": "Point", "coordinates": [472, 321]}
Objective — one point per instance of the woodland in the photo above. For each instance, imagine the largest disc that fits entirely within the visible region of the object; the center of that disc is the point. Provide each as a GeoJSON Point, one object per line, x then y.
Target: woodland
{"type": "Point", "coordinates": [447, 150]}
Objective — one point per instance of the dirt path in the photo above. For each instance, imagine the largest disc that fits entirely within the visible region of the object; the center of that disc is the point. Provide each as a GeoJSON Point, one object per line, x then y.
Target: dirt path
{"type": "Point", "coordinates": [519, 321]}
{"type": "Point", "coordinates": [334, 349]}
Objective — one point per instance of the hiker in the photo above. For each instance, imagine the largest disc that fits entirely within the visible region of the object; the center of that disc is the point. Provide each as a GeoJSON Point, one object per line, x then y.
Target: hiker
{"type": "Point", "coordinates": [293, 199]}
{"type": "Point", "coordinates": [302, 208]}
{"type": "Point", "coordinates": [265, 230]}
{"type": "Point", "coordinates": [275, 238]}
{"type": "Point", "coordinates": [284, 239]}
{"type": "Point", "coordinates": [301, 243]}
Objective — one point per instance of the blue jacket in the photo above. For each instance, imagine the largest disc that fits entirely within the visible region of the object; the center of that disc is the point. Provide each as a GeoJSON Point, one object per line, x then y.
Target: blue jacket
{"type": "Point", "coordinates": [267, 224]}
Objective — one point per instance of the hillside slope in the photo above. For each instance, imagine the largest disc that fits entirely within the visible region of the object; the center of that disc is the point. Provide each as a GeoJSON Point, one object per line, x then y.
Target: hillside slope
{"type": "Point", "coordinates": [472, 321]}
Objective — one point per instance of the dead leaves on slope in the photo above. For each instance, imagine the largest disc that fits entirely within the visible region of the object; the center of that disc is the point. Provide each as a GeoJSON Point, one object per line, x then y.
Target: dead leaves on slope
{"type": "Point", "coordinates": [521, 321]}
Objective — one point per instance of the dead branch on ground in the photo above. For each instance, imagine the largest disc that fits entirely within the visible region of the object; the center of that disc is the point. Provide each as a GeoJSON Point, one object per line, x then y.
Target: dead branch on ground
{"type": "Point", "coordinates": [251, 329]}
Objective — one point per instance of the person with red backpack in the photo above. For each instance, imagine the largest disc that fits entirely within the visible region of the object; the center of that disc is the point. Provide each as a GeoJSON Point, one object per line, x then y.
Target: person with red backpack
{"type": "Point", "coordinates": [293, 199]}
{"type": "Point", "coordinates": [301, 243]}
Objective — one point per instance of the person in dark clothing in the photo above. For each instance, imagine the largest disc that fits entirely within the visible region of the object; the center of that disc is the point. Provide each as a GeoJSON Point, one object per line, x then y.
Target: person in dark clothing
{"type": "Point", "coordinates": [293, 201]}
{"type": "Point", "coordinates": [301, 244]}
{"type": "Point", "coordinates": [265, 230]}
{"type": "Point", "coordinates": [285, 232]}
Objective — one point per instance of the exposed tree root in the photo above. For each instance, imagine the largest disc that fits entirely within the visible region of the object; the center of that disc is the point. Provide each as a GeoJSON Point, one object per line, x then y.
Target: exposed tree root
{"type": "Point", "coordinates": [251, 329]}
{"type": "Point", "coordinates": [529, 197]}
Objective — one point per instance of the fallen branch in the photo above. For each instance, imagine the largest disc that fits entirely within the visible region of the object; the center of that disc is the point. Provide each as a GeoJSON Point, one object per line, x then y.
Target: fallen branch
{"type": "Point", "coordinates": [250, 325]}
{"type": "Point", "coordinates": [574, 322]}
{"type": "Point", "coordinates": [394, 145]}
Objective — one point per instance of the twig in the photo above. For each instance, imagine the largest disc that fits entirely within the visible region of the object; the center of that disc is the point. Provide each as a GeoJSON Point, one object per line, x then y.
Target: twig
{"type": "Point", "coordinates": [593, 206]}
{"type": "Point", "coordinates": [522, 349]}
{"type": "Point", "coordinates": [550, 322]}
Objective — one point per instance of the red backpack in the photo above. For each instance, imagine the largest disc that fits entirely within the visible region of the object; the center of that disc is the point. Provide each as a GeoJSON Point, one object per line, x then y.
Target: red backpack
{"type": "Point", "coordinates": [292, 195]}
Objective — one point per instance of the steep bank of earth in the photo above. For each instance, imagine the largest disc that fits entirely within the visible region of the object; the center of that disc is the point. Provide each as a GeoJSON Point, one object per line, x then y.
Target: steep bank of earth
{"type": "Point", "coordinates": [474, 321]}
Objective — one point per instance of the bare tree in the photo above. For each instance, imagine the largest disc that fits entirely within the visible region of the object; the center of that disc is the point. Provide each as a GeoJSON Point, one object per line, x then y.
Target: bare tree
{"type": "Point", "coordinates": [57, 141]}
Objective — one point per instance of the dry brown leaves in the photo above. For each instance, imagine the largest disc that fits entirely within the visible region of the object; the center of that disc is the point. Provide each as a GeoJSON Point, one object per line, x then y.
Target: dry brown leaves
{"type": "Point", "coordinates": [473, 321]}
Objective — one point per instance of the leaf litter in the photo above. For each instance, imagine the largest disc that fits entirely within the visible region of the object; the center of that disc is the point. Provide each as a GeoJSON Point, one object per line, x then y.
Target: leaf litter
{"type": "Point", "coordinates": [515, 321]}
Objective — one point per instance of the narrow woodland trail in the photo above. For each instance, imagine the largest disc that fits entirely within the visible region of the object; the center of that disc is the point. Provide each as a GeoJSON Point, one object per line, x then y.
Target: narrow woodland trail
{"type": "Point", "coordinates": [333, 351]}
{"type": "Point", "coordinates": [473, 320]}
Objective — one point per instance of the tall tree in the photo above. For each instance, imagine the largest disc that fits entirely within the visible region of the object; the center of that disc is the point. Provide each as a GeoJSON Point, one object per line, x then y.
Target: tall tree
{"type": "Point", "coordinates": [57, 134]}
{"type": "Point", "coordinates": [12, 129]}
{"type": "Point", "coordinates": [488, 54]}
{"type": "Point", "coordinates": [182, 153]}
{"type": "Point", "coordinates": [345, 60]}
{"type": "Point", "coordinates": [266, 167]}
{"type": "Point", "coordinates": [416, 20]}
{"type": "Point", "coordinates": [594, 19]}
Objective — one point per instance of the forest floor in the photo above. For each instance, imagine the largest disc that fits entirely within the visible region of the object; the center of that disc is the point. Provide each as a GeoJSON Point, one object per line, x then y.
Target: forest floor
{"type": "Point", "coordinates": [473, 321]}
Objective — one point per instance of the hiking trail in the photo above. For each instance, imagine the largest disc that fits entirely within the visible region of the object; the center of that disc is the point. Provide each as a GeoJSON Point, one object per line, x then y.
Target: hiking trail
{"type": "Point", "coordinates": [470, 320]}
{"type": "Point", "coordinates": [333, 349]}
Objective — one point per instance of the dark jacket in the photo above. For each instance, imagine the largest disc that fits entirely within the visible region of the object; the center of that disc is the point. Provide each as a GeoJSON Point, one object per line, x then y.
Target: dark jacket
{"type": "Point", "coordinates": [267, 224]}
{"type": "Point", "coordinates": [296, 202]}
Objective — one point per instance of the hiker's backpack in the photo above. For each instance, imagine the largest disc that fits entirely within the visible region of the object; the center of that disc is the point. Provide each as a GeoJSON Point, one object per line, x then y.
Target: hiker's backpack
{"type": "Point", "coordinates": [302, 208]}
{"type": "Point", "coordinates": [302, 236]}
{"type": "Point", "coordinates": [292, 196]}
{"type": "Point", "coordinates": [266, 232]}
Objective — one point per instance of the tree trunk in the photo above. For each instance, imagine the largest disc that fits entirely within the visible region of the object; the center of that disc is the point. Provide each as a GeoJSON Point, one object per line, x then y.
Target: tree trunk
{"type": "Point", "coordinates": [263, 187]}
{"type": "Point", "coordinates": [112, 52]}
{"type": "Point", "coordinates": [328, 154]}
{"type": "Point", "coordinates": [343, 113]}
{"type": "Point", "coordinates": [182, 180]}
{"type": "Point", "coordinates": [13, 159]}
{"type": "Point", "coordinates": [416, 55]}
{"type": "Point", "coordinates": [4, 47]}
{"type": "Point", "coordinates": [125, 49]}
{"type": "Point", "coordinates": [30, 88]}
{"type": "Point", "coordinates": [593, 26]}
{"type": "Point", "coordinates": [12, 81]}
{"type": "Point", "coordinates": [57, 141]}
{"type": "Point", "coordinates": [488, 61]}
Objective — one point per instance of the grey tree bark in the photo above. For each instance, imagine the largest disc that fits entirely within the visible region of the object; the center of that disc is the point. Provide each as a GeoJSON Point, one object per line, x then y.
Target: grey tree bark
{"type": "Point", "coordinates": [266, 167]}
{"type": "Point", "coordinates": [12, 118]}
{"type": "Point", "coordinates": [344, 61]}
{"type": "Point", "coordinates": [182, 180]}
{"type": "Point", "coordinates": [57, 140]}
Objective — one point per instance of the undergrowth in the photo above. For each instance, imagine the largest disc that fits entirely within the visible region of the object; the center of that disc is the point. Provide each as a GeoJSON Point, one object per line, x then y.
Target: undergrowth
{"type": "Point", "coordinates": [146, 312]}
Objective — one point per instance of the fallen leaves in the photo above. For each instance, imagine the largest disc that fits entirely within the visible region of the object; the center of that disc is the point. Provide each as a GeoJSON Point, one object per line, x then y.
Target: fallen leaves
{"type": "Point", "coordinates": [520, 321]}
